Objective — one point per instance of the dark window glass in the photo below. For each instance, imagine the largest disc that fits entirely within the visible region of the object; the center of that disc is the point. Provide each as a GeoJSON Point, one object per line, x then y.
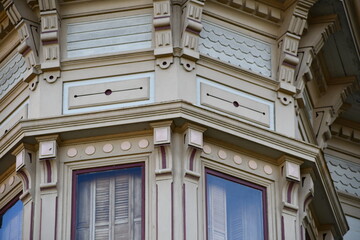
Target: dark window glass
{"type": "Point", "coordinates": [235, 208]}
{"type": "Point", "coordinates": [109, 204]}
{"type": "Point", "coordinates": [11, 222]}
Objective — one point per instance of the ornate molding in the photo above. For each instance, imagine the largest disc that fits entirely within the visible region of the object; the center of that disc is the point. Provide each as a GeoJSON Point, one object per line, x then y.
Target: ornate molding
{"type": "Point", "coordinates": [25, 168]}
{"type": "Point", "coordinates": [26, 23]}
{"type": "Point", "coordinates": [192, 15]}
{"type": "Point", "coordinates": [50, 46]}
{"type": "Point", "coordinates": [255, 8]}
{"type": "Point", "coordinates": [193, 136]}
{"type": "Point", "coordinates": [289, 44]}
{"type": "Point", "coordinates": [163, 33]}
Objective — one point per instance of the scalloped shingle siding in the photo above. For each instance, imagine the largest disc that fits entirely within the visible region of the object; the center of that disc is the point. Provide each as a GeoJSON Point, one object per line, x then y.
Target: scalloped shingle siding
{"type": "Point", "coordinates": [236, 49]}
{"type": "Point", "coordinates": [346, 175]}
{"type": "Point", "coordinates": [11, 73]}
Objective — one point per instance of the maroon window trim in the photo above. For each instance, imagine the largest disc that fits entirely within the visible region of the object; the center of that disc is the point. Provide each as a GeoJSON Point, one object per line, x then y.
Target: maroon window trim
{"type": "Point", "coordinates": [242, 182]}
{"type": "Point", "coordinates": [75, 173]}
{"type": "Point", "coordinates": [10, 204]}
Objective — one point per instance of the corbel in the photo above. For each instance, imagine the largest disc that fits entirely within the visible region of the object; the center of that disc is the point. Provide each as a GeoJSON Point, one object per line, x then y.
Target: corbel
{"type": "Point", "coordinates": [26, 24]}
{"type": "Point", "coordinates": [162, 142]}
{"type": "Point", "coordinates": [26, 171]}
{"type": "Point", "coordinates": [289, 184]}
{"type": "Point", "coordinates": [329, 107]}
{"type": "Point", "coordinates": [163, 33]}
{"type": "Point", "coordinates": [50, 46]}
{"type": "Point", "coordinates": [288, 47]}
{"type": "Point", "coordinates": [193, 145]}
{"type": "Point", "coordinates": [47, 156]}
{"type": "Point", "coordinates": [306, 194]}
{"type": "Point", "coordinates": [192, 15]}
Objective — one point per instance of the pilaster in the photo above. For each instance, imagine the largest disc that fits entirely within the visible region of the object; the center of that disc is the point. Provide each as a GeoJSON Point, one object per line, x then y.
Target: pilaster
{"type": "Point", "coordinates": [48, 161]}
{"type": "Point", "coordinates": [26, 171]}
{"type": "Point", "coordinates": [163, 180]}
{"type": "Point", "coordinates": [193, 144]}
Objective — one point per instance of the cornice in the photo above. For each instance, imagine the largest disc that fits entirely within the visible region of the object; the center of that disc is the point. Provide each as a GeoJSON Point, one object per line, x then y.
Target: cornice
{"type": "Point", "coordinates": [268, 10]}
{"type": "Point", "coordinates": [156, 112]}
{"type": "Point", "coordinates": [291, 147]}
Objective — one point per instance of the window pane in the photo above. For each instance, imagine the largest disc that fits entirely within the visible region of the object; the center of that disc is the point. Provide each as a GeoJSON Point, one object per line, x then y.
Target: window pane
{"type": "Point", "coordinates": [11, 222]}
{"type": "Point", "coordinates": [109, 204]}
{"type": "Point", "coordinates": [234, 210]}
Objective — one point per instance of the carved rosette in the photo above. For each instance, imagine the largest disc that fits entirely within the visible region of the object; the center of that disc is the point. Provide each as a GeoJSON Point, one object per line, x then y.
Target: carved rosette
{"type": "Point", "coordinates": [192, 14]}
{"type": "Point", "coordinates": [163, 36]}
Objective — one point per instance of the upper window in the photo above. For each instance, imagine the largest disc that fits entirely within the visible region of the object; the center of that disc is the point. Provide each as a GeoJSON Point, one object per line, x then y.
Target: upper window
{"type": "Point", "coordinates": [11, 221]}
{"type": "Point", "coordinates": [236, 209]}
{"type": "Point", "coordinates": [109, 203]}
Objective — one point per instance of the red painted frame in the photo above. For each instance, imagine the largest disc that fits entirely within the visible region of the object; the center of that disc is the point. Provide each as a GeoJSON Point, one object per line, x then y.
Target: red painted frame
{"type": "Point", "coordinates": [75, 173]}
{"type": "Point", "coordinates": [242, 182]}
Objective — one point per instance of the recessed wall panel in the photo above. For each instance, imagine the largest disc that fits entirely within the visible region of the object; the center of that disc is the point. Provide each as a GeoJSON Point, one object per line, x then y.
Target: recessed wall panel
{"type": "Point", "coordinates": [236, 103]}
{"type": "Point", "coordinates": [109, 36]}
{"type": "Point", "coordinates": [108, 93]}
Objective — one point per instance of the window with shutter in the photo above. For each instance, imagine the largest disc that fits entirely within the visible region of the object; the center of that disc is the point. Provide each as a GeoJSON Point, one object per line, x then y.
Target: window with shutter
{"type": "Point", "coordinates": [235, 208]}
{"type": "Point", "coordinates": [109, 203]}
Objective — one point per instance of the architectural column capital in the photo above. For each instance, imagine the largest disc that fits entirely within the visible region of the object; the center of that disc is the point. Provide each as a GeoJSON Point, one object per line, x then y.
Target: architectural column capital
{"type": "Point", "coordinates": [26, 169]}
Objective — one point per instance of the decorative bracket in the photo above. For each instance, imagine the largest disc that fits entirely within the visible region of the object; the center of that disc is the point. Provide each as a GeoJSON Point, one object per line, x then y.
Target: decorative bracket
{"type": "Point", "coordinates": [25, 22]}
{"type": "Point", "coordinates": [193, 144]}
{"type": "Point", "coordinates": [191, 32]}
{"type": "Point", "coordinates": [50, 47]}
{"type": "Point", "coordinates": [26, 171]}
{"type": "Point", "coordinates": [163, 36]}
{"type": "Point", "coordinates": [47, 156]}
{"type": "Point", "coordinates": [25, 168]}
{"type": "Point", "coordinates": [162, 140]}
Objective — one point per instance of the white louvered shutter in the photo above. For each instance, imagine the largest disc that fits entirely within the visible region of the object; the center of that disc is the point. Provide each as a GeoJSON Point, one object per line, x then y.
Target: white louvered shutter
{"type": "Point", "coordinates": [122, 196]}
{"type": "Point", "coordinates": [83, 211]}
{"type": "Point", "coordinates": [102, 209]}
{"type": "Point", "coordinates": [217, 213]}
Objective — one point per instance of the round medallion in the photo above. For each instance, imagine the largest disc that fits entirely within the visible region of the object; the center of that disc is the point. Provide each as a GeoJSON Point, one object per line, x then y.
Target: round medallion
{"type": "Point", "coordinates": [71, 152]}
{"type": "Point", "coordinates": [11, 180]}
{"type": "Point", "coordinates": [268, 170]}
{"type": "Point", "coordinates": [207, 149]}
{"type": "Point", "coordinates": [108, 147]}
{"type": "Point", "coordinates": [2, 188]}
{"type": "Point", "coordinates": [143, 143]}
{"type": "Point", "coordinates": [125, 146]}
{"type": "Point", "coordinates": [90, 150]}
{"type": "Point", "coordinates": [222, 154]}
{"type": "Point", "coordinates": [253, 164]}
{"type": "Point", "coordinates": [237, 159]}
